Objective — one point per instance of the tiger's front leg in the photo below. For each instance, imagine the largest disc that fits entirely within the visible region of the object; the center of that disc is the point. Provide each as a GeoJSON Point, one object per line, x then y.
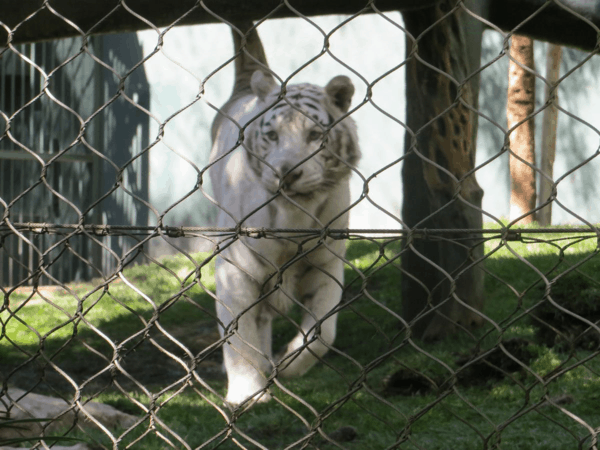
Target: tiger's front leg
{"type": "Point", "coordinates": [322, 289]}
{"type": "Point", "coordinates": [247, 351]}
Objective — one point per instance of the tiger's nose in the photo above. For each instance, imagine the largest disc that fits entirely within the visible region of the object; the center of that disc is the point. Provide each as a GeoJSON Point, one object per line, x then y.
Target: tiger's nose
{"type": "Point", "coordinates": [289, 174]}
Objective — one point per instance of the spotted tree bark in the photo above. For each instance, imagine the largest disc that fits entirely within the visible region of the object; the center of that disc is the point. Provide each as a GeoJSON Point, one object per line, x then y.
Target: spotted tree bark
{"type": "Point", "coordinates": [519, 107]}
{"type": "Point", "coordinates": [442, 287]}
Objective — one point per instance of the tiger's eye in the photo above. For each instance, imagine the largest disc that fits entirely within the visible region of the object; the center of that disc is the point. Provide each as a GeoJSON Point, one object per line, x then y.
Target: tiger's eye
{"type": "Point", "coordinates": [272, 135]}
{"type": "Point", "coordinates": [314, 135]}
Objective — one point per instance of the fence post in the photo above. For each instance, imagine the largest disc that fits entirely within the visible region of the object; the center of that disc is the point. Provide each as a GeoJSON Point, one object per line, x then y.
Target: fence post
{"type": "Point", "coordinates": [97, 164]}
{"type": "Point", "coordinates": [453, 46]}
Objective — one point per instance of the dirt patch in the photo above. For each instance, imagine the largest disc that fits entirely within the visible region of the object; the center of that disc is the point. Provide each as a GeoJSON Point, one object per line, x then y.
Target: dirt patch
{"type": "Point", "coordinates": [477, 368]}
{"type": "Point", "coordinates": [407, 383]}
{"type": "Point", "coordinates": [565, 330]}
{"type": "Point", "coordinates": [153, 361]}
{"type": "Point", "coordinates": [495, 365]}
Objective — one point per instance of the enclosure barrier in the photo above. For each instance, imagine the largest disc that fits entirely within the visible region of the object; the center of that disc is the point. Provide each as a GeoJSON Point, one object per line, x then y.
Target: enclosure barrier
{"type": "Point", "coordinates": [503, 351]}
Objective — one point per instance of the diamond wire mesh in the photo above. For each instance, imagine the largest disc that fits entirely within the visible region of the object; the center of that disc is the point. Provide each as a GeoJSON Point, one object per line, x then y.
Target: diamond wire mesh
{"type": "Point", "coordinates": [144, 337]}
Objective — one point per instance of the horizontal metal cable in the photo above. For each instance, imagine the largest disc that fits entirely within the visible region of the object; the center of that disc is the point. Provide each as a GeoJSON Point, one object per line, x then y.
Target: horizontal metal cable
{"type": "Point", "coordinates": [183, 231]}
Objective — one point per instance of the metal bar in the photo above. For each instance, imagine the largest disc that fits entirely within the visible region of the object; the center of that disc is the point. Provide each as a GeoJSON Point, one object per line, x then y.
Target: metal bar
{"type": "Point", "coordinates": [554, 24]}
{"type": "Point", "coordinates": [97, 164]}
{"type": "Point", "coordinates": [87, 14]}
{"type": "Point", "coordinates": [43, 228]}
{"type": "Point", "coordinates": [22, 155]}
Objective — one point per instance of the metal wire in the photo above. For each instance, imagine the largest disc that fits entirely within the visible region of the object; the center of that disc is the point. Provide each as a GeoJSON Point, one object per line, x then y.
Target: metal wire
{"type": "Point", "coordinates": [90, 314]}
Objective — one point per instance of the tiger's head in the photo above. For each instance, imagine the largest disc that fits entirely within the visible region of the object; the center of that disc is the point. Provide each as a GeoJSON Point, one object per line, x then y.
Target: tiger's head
{"type": "Point", "coordinates": [298, 144]}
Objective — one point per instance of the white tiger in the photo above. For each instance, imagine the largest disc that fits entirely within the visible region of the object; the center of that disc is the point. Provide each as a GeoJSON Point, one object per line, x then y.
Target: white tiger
{"type": "Point", "coordinates": [291, 170]}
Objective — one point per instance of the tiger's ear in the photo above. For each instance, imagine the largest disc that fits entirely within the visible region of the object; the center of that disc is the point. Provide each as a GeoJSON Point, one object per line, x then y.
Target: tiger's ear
{"type": "Point", "coordinates": [340, 89]}
{"type": "Point", "coordinates": [261, 84]}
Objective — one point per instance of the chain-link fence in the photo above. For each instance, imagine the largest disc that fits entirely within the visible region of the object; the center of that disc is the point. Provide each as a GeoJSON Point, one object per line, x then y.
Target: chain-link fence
{"type": "Point", "coordinates": [447, 326]}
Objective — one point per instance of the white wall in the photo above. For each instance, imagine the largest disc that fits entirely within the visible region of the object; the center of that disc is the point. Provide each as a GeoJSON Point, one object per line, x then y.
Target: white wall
{"type": "Point", "coordinates": [189, 56]}
{"type": "Point", "coordinates": [370, 46]}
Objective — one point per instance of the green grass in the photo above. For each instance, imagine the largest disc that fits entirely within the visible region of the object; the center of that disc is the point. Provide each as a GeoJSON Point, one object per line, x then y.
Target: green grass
{"type": "Point", "coordinates": [81, 332]}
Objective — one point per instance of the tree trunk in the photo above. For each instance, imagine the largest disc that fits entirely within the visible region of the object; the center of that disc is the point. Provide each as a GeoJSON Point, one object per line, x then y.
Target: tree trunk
{"type": "Point", "coordinates": [553, 58]}
{"type": "Point", "coordinates": [439, 276]}
{"type": "Point", "coordinates": [520, 105]}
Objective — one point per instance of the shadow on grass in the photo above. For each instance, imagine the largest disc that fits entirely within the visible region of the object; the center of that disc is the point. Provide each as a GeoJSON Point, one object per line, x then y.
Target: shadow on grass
{"type": "Point", "coordinates": [85, 352]}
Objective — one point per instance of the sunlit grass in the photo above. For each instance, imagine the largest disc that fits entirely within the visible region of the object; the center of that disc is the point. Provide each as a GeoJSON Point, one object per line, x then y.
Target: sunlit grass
{"type": "Point", "coordinates": [55, 314]}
